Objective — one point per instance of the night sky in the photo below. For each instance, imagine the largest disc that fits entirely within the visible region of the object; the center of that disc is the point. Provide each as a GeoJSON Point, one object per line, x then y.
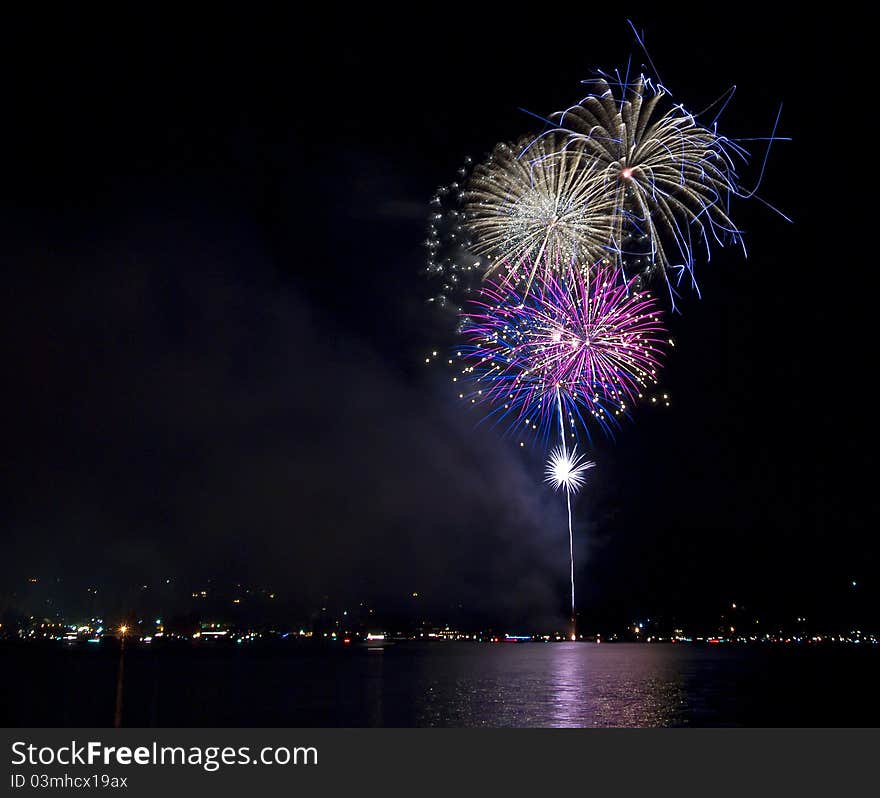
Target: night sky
{"type": "Point", "coordinates": [214, 329]}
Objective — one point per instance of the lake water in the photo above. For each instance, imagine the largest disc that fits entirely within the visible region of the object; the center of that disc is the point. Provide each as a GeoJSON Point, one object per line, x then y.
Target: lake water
{"type": "Point", "coordinates": [443, 684]}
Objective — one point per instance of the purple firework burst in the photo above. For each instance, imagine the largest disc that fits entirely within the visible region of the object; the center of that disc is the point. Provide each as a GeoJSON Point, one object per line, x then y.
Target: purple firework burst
{"type": "Point", "coordinates": [582, 343]}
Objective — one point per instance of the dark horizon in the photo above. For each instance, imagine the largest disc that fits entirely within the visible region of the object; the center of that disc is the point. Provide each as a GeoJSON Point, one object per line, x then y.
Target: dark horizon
{"type": "Point", "coordinates": [214, 328]}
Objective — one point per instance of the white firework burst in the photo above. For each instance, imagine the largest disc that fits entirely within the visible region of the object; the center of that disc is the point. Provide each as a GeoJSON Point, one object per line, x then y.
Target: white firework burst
{"type": "Point", "coordinates": [540, 203]}
{"type": "Point", "coordinates": [668, 178]}
{"type": "Point", "coordinates": [567, 469]}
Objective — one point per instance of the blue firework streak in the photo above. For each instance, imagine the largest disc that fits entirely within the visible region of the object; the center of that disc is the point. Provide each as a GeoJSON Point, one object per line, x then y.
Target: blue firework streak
{"type": "Point", "coordinates": [668, 177]}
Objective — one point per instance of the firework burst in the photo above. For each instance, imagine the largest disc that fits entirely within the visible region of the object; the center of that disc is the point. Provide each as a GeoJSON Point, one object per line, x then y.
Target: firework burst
{"type": "Point", "coordinates": [539, 202]}
{"type": "Point", "coordinates": [567, 469]}
{"type": "Point", "coordinates": [583, 340]}
{"type": "Point", "coordinates": [667, 178]}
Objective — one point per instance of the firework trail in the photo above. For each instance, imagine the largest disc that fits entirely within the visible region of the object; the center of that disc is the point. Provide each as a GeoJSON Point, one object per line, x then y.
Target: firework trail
{"type": "Point", "coordinates": [580, 344]}
{"type": "Point", "coordinates": [567, 471]}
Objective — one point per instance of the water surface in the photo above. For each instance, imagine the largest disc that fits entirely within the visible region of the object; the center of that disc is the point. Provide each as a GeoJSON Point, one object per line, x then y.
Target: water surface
{"type": "Point", "coordinates": [443, 684]}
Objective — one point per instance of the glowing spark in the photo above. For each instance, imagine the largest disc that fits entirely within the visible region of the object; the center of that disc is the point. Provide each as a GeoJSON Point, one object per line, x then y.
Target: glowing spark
{"type": "Point", "coordinates": [567, 469]}
{"type": "Point", "coordinates": [450, 262]}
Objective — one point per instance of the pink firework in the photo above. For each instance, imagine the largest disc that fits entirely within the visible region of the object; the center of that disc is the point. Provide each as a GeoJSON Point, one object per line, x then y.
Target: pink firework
{"type": "Point", "coordinates": [578, 340]}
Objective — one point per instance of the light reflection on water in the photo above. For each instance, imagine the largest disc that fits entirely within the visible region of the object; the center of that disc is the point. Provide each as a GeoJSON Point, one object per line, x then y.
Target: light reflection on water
{"type": "Point", "coordinates": [554, 685]}
{"type": "Point", "coordinates": [590, 686]}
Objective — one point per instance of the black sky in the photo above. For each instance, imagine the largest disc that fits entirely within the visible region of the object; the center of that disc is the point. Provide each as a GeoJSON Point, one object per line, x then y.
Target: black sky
{"type": "Point", "coordinates": [213, 326]}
